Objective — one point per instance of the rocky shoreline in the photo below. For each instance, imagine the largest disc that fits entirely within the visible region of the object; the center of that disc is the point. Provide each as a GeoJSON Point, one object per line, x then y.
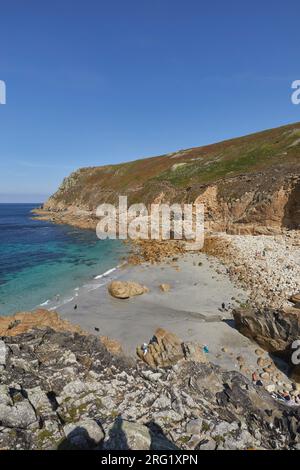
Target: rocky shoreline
{"type": "Point", "coordinates": [62, 390]}
{"type": "Point", "coordinates": [74, 217]}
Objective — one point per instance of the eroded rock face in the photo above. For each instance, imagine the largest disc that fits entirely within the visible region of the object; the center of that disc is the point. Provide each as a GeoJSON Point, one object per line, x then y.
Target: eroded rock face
{"type": "Point", "coordinates": [68, 391]}
{"type": "Point", "coordinates": [273, 329]}
{"type": "Point", "coordinates": [126, 289]}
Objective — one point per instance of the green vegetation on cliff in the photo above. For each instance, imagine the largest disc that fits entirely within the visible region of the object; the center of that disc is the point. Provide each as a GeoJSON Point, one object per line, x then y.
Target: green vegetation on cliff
{"type": "Point", "coordinates": [186, 170]}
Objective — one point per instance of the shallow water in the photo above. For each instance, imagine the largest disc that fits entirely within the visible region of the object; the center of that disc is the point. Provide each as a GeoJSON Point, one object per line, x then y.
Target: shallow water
{"type": "Point", "coordinates": [41, 261]}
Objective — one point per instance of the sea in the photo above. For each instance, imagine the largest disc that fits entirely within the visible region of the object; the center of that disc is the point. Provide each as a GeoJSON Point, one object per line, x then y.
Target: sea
{"type": "Point", "coordinates": [43, 264]}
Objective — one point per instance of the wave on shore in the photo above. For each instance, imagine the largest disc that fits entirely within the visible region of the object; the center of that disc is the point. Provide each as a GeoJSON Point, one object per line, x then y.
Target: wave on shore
{"type": "Point", "coordinates": [58, 301]}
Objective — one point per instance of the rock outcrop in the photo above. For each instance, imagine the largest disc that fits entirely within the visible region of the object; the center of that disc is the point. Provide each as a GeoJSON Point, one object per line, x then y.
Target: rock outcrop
{"type": "Point", "coordinates": [23, 322]}
{"type": "Point", "coordinates": [155, 251]}
{"type": "Point", "coordinates": [273, 330]}
{"type": "Point", "coordinates": [126, 289]}
{"type": "Point", "coordinates": [62, 390]}
{"type": "Point", "coordinates": [166, 349]}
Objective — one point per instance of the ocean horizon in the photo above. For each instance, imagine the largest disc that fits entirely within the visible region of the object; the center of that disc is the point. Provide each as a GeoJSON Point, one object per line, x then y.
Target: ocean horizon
{"type": "Point", "coordinates": [42, 262]}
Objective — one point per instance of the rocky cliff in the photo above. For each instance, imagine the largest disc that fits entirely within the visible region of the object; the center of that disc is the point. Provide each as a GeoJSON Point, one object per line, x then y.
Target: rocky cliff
{"type": "Point", "coordinates": [249, 184]}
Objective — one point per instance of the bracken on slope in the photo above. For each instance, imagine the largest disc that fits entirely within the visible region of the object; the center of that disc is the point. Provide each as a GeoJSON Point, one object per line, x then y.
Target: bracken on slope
{"type": "Point", "coordinates": [248, 184]}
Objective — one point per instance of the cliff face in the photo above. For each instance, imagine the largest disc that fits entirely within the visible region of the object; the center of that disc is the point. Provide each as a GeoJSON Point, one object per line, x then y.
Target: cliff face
{"type": "Point", "coordinates": [247, 183]}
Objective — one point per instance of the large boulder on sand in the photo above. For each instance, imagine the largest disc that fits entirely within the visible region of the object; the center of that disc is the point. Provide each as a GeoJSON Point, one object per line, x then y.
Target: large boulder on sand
{"type": "Point", "coordinates": [166, 349]}
{"type": "Point", "coordinates": [126, 289]}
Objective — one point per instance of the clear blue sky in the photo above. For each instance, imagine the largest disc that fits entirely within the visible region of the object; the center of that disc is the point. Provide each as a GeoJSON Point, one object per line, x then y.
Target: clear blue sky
{"type": "Point", "coordinates": [95, 82]}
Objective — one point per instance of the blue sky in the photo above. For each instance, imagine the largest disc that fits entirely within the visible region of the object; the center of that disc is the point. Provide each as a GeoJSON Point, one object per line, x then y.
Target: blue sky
{"type": "Point", "coordinates": [95, 82]}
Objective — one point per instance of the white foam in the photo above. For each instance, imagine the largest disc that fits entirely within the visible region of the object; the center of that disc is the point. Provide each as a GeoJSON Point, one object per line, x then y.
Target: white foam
{"type": "Point", "coordinates": [106, 273]}
{"type": "Point", "coordinates": [87, 287]}
{"type": "Point", "coordinates": [109, 271]}
{"type": "Point", "coordinates": [65, 301]}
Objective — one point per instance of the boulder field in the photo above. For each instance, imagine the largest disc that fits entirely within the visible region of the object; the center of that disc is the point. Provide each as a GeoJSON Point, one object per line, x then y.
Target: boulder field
{"type": "Point", "coordinates": [66, 390]}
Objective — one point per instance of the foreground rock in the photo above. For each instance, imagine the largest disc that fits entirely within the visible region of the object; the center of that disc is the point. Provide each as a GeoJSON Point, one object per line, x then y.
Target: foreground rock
{"type": "Point", "coordinates": [84, 434]}
{"type": "Point", "coordinates": [61, 390]}
{"type": "Point", "coordinates": [126, 289]}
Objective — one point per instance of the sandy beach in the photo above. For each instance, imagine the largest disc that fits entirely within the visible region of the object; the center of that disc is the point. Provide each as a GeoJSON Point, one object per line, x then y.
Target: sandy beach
{"type": "Point", "coordinates": [192, 308]}
{"type": "Point", "coordinates": [195, 298]}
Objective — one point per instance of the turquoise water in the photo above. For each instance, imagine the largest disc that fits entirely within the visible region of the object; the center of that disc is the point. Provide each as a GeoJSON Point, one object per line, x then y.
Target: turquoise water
{"type": "Point", "coordinates": [41, 261]}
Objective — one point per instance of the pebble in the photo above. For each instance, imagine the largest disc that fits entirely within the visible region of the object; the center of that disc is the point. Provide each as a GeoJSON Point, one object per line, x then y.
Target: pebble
{"type": "Point", "coordinates": [263, 362]}
{"type": "Point", "coordinates": [264, 375]}
{"type": "Point", "coordinates": [259, 352]}
{"type": "Point", "coordinates": [267, 266]}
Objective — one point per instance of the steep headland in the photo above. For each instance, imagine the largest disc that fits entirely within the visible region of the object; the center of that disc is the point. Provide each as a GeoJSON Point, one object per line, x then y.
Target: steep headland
{"type": "Point", "coordinates": [249, 184]}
